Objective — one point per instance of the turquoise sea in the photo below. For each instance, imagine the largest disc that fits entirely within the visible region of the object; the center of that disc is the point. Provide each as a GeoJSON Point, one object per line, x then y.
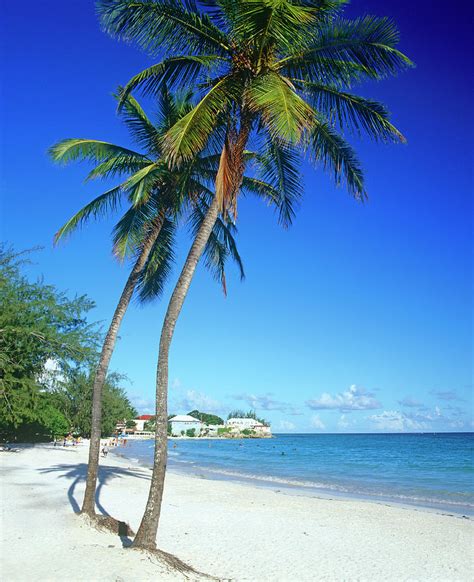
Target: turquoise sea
{"type": "Point", "coordinates": [430, 470]}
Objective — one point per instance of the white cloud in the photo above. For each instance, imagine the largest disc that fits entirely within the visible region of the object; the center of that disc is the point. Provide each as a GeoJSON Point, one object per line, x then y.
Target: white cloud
{"type": "Point", "coordinates": [396, 421]}
{"type": "Point", "coordinates": [143, 404]}
{"type": "Point", "coordinates": [267, 402]}
{"type": "Point", "coordinates": [192, 400]}
{"type": "Point", "coordinates": [354, 398]}
{"type": "Point", "coordinates": [317, 423]}
{"type": "Point", "coordinates": [286, 425]}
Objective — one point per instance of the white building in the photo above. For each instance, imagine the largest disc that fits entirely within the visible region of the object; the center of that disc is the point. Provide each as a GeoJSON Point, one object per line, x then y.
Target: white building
{"type": "Point", "coordinates": [140, 421]}
{"type": "Point", "coordinates": [240, 424]}
{"type": "Point", "coordinates": [183, 422]}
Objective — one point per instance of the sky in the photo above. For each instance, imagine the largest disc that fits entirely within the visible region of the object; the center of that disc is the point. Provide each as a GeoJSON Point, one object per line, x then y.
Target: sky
{"type": "Point", "coordinates": [356, 319]}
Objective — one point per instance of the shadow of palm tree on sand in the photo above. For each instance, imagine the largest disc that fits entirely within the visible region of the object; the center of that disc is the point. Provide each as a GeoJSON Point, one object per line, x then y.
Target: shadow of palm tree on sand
{"type": "Point", "coordinates": [78, 474]}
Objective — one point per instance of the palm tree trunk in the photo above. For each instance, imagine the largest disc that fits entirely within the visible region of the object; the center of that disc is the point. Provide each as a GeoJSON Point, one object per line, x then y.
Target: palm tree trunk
{"type": "Point", "coordinates": [146, 534]}
{"type": "Point", "coordinates": [88, 505]}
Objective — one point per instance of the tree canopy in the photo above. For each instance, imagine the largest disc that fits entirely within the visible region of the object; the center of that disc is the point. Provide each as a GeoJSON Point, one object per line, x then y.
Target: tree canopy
{"type": "Point", "coordinates": [47, 347]}
{"type": "Point", "coordinates": [206, 417]}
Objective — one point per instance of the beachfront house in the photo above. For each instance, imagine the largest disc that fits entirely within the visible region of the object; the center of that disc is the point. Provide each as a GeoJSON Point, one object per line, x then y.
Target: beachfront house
{"type": "Point", "coordinates": [141, 420]}
{"type": "Point", "coordinates": [181, 423]}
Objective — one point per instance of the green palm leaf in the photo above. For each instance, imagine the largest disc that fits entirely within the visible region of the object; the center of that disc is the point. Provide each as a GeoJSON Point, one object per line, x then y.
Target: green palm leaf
{"type": "Point", "coordinates": [173, 72]}
{"type": "Point", "coordinates": [368, 43]}
{"type": "Point", "coordinates": [284, 112]}
{"type": "Point", "coordinates": [153, 277]}
{"type": "Point", "coordinates": [138, 123]}
{"type": "Point", "coordinates": [351, 111]}
{"type": "Point", "coordinates": [327, 146]}
{"type": "Point", "coordinates": [70, 150]}
{"type": "Point", "coordinates": [191, 133]}
{"type": "Point", "coordinates": [279, 168]}
{"type": "Point", "coordinates": [161, 25]}
{"type": "Point", "coordinates": [97, 208]}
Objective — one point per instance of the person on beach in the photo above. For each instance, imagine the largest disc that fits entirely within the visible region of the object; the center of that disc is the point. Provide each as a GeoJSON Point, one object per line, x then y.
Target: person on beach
{"type": "Point", "coordinates": [105, 450]}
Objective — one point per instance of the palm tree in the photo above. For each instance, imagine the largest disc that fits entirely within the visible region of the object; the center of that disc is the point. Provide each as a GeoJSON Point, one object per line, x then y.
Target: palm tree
{"type": "Point", "coordinates": [156, 197]}
{"type": "Point", "coordinates": [276, 72]}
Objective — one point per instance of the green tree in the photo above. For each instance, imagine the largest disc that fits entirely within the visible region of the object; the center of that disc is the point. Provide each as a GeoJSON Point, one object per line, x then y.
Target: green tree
{"type": "Point", "coordinates": [44, 335]}
{"type": "Point", "coordinates": [206, 418]}
{"type": "Point", "coordinates": [276, 71]}
{"type": "Point", "coordinates": [156, 198]}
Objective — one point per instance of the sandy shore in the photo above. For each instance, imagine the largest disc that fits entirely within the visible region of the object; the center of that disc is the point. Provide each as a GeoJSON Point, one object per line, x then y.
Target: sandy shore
{"type": "Point", "coordinates": [228, 530]}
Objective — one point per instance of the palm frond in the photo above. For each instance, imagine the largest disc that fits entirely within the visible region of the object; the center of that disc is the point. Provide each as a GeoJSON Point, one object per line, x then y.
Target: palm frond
{"type": "Point", "coordinates": [162, 25]}
{"type": "Point", "coordinates": [351, 111]}
{"type": "Point", "coordinates": [117, 166]}
{"type": "Point", "coordinates": [155, 273]}
{"type": "Point", "coordinates": [70, 150]}
{"type": "Point", "coordinates": [129, 232]}
{"type": "Point", "coordinates": [279, 168]}
{"type": "Point", "coordinates": [369, 43]}
{"type": "Point", "coordinates": [269, 23]}
{"type": "Point", "coordinates": [137, 122]}
{"type": "Point", "coordinates": [97, 208]}
{"type": "Point", "coordinates": [191, 133]}
{"type": "Point", "coordinates": [325, 145]}
{"type": "Point", "coordinates": [286, 115]}
{"type": "Point", "coordinates": [139, 186]}
{"type": "Point", "coordinates": [221, 244]}
{"type": "Point", "coordinates": [175, 72]}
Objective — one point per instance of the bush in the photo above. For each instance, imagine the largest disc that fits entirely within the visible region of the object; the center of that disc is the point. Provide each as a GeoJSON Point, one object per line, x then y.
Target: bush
{"type": "Point", "coordinates": [221, 431]}
{"type": "Point", "coordinates": [191, 432]}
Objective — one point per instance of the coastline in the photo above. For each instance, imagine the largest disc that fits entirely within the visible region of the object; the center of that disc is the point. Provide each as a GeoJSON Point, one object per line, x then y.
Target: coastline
{"type": "Point", "coordinates": [224, 528]}
{"type": "Point", "coordinates": [205, 467]}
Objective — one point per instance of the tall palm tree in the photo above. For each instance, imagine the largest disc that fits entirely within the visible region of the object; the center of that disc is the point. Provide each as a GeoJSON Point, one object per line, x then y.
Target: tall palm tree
{"type": "Point", "coordinates": [276, 72]}
{"type": "Point", "coordinates": [156, 197]}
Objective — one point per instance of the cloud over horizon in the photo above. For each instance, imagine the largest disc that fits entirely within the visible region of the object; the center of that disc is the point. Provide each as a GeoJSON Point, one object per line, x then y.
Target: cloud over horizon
{"type": "Point", "coordinates": [411, 402]}
{"type": "Point", "coordinates": [354, 398]}
{"type": "Point", "coordinates": [267, 402]}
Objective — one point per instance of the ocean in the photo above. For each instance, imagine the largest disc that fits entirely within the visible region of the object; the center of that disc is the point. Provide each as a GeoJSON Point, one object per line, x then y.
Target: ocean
{"type": "Point", "coordinates": [428, 470]}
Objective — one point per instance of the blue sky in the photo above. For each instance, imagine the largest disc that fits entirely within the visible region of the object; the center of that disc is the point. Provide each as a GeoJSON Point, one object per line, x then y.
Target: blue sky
{"type": "Point", "coordinates": [358, 318]}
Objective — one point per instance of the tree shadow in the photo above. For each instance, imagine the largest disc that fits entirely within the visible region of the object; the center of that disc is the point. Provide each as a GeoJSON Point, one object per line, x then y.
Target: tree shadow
{"type": "Point", "coordinates": [78, 474]}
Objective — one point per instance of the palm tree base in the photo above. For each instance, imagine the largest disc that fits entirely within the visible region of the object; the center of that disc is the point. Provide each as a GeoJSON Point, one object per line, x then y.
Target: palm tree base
{"type": "Point", "coordinates": [108, 523]}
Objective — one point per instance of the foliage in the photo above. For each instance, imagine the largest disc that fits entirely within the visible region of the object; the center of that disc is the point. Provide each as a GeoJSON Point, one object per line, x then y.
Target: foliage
{"type": "Point", "coordinates": [150, 193]}
{"type": "Point", "coordinates": [284, 68]}
{"type": "Point", "coordinates": [43, 335]}
{"type": "Point", "coordinates": [206, 418]}
{"type": "Point", "coordinates": [249, 414]}
{"type": "Point", "coordinates": [47, 347]}
{"type": "Point", "coordinates": [191, 432]}
{"type": "Point", "coordinates": [73, 398]}
{"type": "Point", "coordinates": [223, 430]}
{"type": "Point", "coordinates": [150, 424]}
{"type": "Point", "coordinates": [130, 424]}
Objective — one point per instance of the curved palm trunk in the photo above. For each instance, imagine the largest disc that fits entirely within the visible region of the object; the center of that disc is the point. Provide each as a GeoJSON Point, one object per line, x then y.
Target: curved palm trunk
{"type": "Point", "coordinates": [88, 505]}
{"type": "Point", "coordinates": [146, 535]}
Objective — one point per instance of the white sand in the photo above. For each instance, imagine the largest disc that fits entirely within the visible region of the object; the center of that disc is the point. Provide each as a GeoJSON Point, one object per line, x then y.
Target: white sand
{"type": "Point", "coordinates": [228, 530]}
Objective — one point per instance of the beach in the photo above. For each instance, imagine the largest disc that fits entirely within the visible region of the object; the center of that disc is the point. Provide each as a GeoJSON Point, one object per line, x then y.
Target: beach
{"type": "Point", "coordinates": [227, 530]}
